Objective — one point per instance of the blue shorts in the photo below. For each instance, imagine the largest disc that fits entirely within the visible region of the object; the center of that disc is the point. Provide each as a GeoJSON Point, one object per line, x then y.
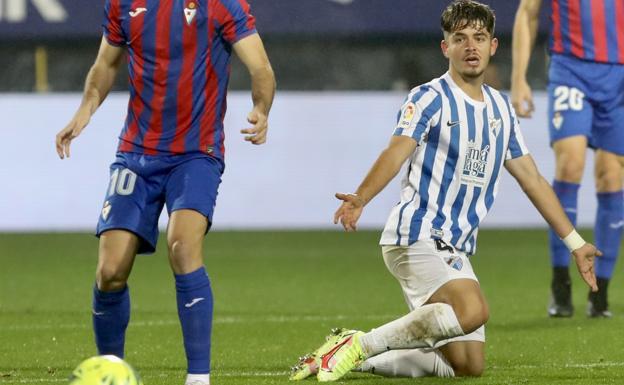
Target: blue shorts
{"type": "Point", "coordinates": [586, 98]}
{"type": "Point", "coordinates": [141, 185]}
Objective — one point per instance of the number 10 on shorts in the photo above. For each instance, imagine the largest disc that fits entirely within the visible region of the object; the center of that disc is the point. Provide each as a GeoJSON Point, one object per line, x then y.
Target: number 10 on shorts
{"type": "Point", "coordinates": [122, 182]}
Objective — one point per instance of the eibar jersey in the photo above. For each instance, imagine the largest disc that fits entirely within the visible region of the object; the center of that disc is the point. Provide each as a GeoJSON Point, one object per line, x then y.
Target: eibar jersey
{"type": "Point", "coordinates": [178, 63]}
{"type": "Point", "coordinates": [588, 29]}
{"type": "Point", "coordinates": [452, 177]}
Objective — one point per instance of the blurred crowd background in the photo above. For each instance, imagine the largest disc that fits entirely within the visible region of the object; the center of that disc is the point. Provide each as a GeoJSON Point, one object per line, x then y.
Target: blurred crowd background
{"type": "Point", "coordinates": [314, 45]}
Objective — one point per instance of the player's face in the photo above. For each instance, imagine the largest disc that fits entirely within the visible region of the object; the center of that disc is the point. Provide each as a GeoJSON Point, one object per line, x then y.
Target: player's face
{"type": "Point", "coordinates": [469, 50]}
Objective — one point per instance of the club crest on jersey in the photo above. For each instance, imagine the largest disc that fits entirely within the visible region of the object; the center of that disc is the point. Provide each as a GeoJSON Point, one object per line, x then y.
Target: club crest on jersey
{"type": "Point", "coordinates": [189, 12]}
{"type": "Point", "coordinates": [454, 261]}
{"type": "Point", "coordinates": [407, 115]}
{"type": "Point", "coordinates": [495, 126]}
{"type": "Point", "coordinates": [475, 164]}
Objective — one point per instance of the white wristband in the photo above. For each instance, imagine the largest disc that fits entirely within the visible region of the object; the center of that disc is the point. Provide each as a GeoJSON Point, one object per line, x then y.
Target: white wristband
{"type": "Point", "coordinates": [573, 241]}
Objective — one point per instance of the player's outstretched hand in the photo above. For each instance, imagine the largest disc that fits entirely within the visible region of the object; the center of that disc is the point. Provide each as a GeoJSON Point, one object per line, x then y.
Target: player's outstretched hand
{"type": "Point", "coordinates": [349, 211]}
{"type": "Point", "coordinates": [584, 257]}
{"type": "Point", "coordinates": [71, 131]}
{"type": "Point", "coordinates": [256, 134]}
{"type": "Point", "coordinates": [522, 99]}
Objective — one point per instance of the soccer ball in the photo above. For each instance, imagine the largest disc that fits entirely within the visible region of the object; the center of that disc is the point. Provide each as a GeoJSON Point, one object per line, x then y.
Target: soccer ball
{"type": "Point", "coordinates": [104, 370]}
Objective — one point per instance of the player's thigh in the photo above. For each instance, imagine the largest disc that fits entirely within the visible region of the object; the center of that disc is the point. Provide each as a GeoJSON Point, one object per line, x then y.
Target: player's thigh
{"type": "Point", "coordinates": [117, 250]}
{"type": "Point", "coordinates": [185, 236]}
{"type": "Point", "coordinates": [608, 171]}
{"type": "Point", "coordinates": [428, 273]}
{"type": "Point", "coordinates": [467, 358]}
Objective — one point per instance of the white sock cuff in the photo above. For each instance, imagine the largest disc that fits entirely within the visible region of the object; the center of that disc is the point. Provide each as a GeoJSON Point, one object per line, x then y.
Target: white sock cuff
{"type": "Point", "coordinates": [447, 320]}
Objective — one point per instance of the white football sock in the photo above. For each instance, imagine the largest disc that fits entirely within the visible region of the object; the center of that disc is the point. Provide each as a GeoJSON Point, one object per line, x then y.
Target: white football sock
{"type": "Point", "coordinates": [197, 379]}
{"type": "Point", "coordinates": [409, 363]}
{"type": "Point", "coordinates": [420, 328]}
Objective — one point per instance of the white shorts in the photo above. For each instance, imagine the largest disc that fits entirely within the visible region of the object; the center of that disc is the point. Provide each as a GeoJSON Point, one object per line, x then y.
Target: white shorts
{"type": "Point", "coordinates": [423, 268]}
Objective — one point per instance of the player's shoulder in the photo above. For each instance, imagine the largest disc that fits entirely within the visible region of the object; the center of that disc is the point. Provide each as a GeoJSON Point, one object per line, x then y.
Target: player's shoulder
{"type": "Point", "coordinates": [426, 92]}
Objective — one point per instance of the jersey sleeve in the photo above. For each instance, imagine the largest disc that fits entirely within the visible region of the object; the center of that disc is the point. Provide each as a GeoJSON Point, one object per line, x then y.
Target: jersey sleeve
{"type": "Point", "coordinates": [112, 23]}
{"type": "Point", "coordinates": [418, 114]}
{"type": "Point", "coordinates": [235, 19]}
{"type": "Point", "coordinates": [516, 147]}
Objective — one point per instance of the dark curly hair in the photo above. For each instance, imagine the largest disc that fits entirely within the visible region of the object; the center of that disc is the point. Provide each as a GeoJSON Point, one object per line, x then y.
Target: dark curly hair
{"type": "Point", "coordinates": [463, 13]}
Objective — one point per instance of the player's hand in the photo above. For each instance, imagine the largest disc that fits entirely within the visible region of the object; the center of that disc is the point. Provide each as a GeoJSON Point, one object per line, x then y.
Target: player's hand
{"type": "Point", "coordinates": [584, 257]}
{"type": "Point", "coordinates": [71, 131]}
{"type": "Point", "coordinates": [256, 134]}
{"type": "Point", "coordinates": [349, 211]}
{"type": "Point", "coordinates": [522, 98]}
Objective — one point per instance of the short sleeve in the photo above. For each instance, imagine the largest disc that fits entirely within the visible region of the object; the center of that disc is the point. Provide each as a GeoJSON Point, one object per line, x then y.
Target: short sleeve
{"type": "Point", "coordinates": [420, 111]}
{"type": "Point", "coordinates": [112, 23]}
{"type": "Point", "coordinates": [235, 19]}
{"type": "Point", "coordinates": [516, 147]}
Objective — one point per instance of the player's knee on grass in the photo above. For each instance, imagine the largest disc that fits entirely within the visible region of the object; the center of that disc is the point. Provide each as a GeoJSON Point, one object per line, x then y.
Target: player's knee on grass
{"type": "Point", "coordinates": [472, 313]}
{"type": "Point", "coordinates": [467, 358]}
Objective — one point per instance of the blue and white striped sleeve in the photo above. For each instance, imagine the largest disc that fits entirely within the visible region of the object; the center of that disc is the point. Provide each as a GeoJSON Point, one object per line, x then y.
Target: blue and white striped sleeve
{"type": "Point", "coordinates": [420, 111]}
{"type": "Point", "coordinates": [516, 147]}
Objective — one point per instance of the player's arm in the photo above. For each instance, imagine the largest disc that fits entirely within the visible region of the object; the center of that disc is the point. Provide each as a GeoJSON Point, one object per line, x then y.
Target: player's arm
{"type": "Point", "coordinates": [524, 33]}
{"type": "Point", "coordinates": [545, 201]}
{"type": "Point", "coordinates": [97, 86]}
{"type": "Point", "coordinates": [383, 171]}
{"type": "Point", "coordinates": [251, 52]}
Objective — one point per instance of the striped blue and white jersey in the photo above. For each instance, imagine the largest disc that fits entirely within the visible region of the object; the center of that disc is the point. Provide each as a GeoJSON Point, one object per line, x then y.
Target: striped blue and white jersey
{"type": "Point", "coordinates": [452, 177]}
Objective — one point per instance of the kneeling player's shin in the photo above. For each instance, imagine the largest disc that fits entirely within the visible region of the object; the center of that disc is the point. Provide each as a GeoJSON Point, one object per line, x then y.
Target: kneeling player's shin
{"type": "Point", "coordinates": [422, 327]}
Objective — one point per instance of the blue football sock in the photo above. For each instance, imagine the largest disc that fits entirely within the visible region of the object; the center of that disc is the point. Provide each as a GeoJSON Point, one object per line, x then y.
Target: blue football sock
{"type": "Point", "coordinates": [608, 231]}
{"type": "Point", "coordinates": [194, 297]}
{"type": "Point", "coordinates": [111, 314]}
{"type": "Point", "coordinates": [567, 194]}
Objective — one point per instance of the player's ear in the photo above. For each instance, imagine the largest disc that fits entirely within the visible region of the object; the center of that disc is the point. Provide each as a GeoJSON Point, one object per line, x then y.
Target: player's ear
{"type": "Point", "coordinates": [493, 46]}
{"type": "Point", "coordinates": [444, 47]}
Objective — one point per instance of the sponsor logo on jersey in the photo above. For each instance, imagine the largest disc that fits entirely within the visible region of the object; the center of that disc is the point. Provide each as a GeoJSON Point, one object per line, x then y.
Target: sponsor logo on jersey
{"type": "Point", "coordinates": [137, 12]}
{"type": "Point", "coordinates": [408, 115]}
{"type": "Point", "coordinates": [475, 164]}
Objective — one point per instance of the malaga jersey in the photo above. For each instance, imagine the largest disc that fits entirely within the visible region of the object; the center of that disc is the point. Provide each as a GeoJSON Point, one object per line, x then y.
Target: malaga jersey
{"type": "Point", "coordinates": [178, 61]}
{"type": "Point", "coordinates": [588, 29]}
{"type": "Point", "coordinates": [452, 177]}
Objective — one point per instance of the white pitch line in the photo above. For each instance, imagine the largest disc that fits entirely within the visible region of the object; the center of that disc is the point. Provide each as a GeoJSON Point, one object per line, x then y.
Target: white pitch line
{"type": "Point", "coordinates": [217, 321]}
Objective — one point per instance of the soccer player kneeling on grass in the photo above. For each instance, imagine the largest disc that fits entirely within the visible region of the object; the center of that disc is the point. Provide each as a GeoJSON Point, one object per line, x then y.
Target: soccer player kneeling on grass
{"type": "Point", "coordinates": [456, 134]}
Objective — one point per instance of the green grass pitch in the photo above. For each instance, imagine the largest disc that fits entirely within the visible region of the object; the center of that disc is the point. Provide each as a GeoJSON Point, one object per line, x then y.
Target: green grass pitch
{"type": "Point", "coordinates": [277, 295]}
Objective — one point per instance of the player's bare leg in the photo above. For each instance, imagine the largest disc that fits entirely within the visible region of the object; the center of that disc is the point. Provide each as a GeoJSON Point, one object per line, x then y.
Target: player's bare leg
{"type": "Point", "coordinates": [608, 226]}
{"type": "Point", "coordinates": [467, 358]}
{"type": "Point", "coordinates": [185, 235]}
{"type": "Point", "coordinates": [111, 300]}
{"type": "Point", "coordinates": [467, 301]}
{"type": "Point", "coordinates": [569, 167]}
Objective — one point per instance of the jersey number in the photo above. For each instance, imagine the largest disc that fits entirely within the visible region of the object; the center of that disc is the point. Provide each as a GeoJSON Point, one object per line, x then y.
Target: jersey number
{"type": "Point", "coordinates": [568, 98]}
{"type": "Point", "coordinates": [122, 182]}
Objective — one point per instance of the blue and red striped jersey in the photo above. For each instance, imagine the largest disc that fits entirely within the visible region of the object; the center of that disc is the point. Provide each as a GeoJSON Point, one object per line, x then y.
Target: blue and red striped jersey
{"type": "Point", "coordinates": [588, 29]}
{"type": "Point", "coordinates": [179, 65]}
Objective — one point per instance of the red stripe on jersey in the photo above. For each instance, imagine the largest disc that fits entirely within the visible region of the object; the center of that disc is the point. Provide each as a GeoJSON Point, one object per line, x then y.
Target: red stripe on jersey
{"type": "Point", "coordinates": [211, 92]}
{"type": "Point", "coordinates": [114, 19]}
{"type": "Point", "coordinates": [138, 65]}
{"type": "Point", "coordinates": [251, 21]}
{"type": "Point", "coordinates": [226, 20]}
{"type": "Point", "coordinates": [600, 31]}
{"type": "Point", "coordinates": [185, 87]}
{"type": "Point", "coordinates": [556, 20]}
{"type": "Point", "coordinates": [619, 23]}
{"type": "Point", "coordinates": [162, 59]}
{"type": "Point", "coordinates": [576, 29]}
